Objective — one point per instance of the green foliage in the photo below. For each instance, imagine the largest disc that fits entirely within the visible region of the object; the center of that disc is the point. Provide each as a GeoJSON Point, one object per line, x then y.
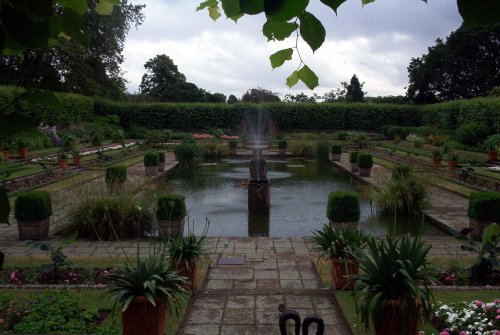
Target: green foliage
{"type": "Point", "coordinates": [57, 256]}
{"type": "Point", "coordinates": [392, 269]}
{"type": "Point", "coordinates": [322, 152]}
{"type": "Point", "coordinates": [437, 154]}
{"type": "Point", "coordinates": [484, 206]}
{"type": "Point", "coordinates": [282, 144]}
{"type": "Point", "coordinates": [343, 207]}
{"type": "Point", "coordinates": [401, 172]}
{"type": "Point", "coordinates": [4, 206]}
{"type": "Point", "coordinates": [260, 95]}
{"type": "Point", "coordinates": [161, 156]}
{"type": "Point", "coordinates": [492, 142]}
{"type": "Point", "coordinates": [406, 196]}
{"type": "Point", "coordinates": [187, 154]}
{"type": "Point", "coordinates": [171, 207]}
{"type": "Point", "coordinates": [339, 242]}
{"type": "Point", "coordinates": [233, 144]}
{"type": "Point", "coordinates": [151, 159]}
{"type": "Point", "coordinates": [116, 174]}
{"type": "Point", "coordinates": [399, 131]}
{"type": "Point", "coordinates": [109, 217]}
{"type": "Point", "coordinates": [472, 134]}
{"type": "Point", "coordinates": [302, 149]}
{"type": "Point", "coordinates": [365, 161]}
{"type": "Point", "coordinates": [336, 149]}
{"type": "Point", "coordinates": [186, 250]}
{"type": "Point", "coordinates": [56, 312]}
{"type": "Point", "coordinates": [212, 150]}
{"type": "Point", "coordinates": [353, 157]}
{"type": "Point", "coordinates": [33, 205]}
{"type": "Point", "coordinates": [355, 90]}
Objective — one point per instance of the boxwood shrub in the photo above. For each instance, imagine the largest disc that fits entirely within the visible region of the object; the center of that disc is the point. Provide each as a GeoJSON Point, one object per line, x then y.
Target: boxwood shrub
{"type": "Point", "coordinates": [161, 156]}
{"type": "Point", "coordinates": [171, 207]}
{"type": "Point", "coordinates": [365, 161]}
{"type": "Point", "coordinates": [401, 172]}
{"type": "Point", "coordinates": [282, 144]}
{"type": "Point", "coordinates": [336, 149]}
{"type": "Point", "coordinates": [33, 205]}
{"type": "Point", "coordinates": [116, 174]}
{"type": "Point", "coordinates": [353, 157]}
{"type": "Point", "coordinates": [484, 206]}
{"type": "Point", "coordinates": [151, 159]}
{"type": "Point", "coordinates": [343, 207]}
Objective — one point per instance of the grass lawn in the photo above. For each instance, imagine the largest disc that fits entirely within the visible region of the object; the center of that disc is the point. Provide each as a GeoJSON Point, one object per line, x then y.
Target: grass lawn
{"type": "Point", "coordinates": [346, 301]}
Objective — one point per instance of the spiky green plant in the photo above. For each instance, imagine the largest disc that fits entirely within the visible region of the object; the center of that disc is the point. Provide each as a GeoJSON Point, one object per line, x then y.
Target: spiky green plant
{"type": "Point", "coordinates": [339, 242]}
{"type": "Point", "coordinates": [185, 250]}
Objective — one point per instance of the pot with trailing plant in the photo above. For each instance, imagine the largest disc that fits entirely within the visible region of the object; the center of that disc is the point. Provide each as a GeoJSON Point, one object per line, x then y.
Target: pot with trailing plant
{"type": "Point", "coordinates": [336, 152]}
{"type": "Point", "coordinates": [391, 292]}
{"type": "Point", "coordinates": [161, 161]}
{"type": "Point", "coordinates": [22, 147]}
{"type": "Point", "coordinates": [437, 156]}
{"type": "Point", "coordinates": [282, 145]}
{"type": "Point", "coordinates": [33, 210]}
{"type": "Point", "coordinates": [353, 159]}
{"type": "Point", "coordinates": [170, 213]}
{"type": "Point", "coordinates": [343, 208]}
{"type": "Point", "coordinates": [233, 146]}
{"type": "Point", "coordinates": [151, 161]}
{"type": "Point", "coordinates": [365, 163]}
{"type": "Point", "coordinates": [185, 252]}
{"type": "Point", "coordinates": [340, 245]}
{"type": "Point", "coordinates": [115, 177]}
{"type": "Point", "coordinates": [483, 210]}
{"type": "Point", "coordinates": [147, 290]}
{"type": "Point", "coordinates": [452, 160]}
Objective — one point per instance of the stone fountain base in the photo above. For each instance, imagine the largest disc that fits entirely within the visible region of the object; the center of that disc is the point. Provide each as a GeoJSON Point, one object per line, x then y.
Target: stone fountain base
{"type": "Point", "coordinates": [258, 195]}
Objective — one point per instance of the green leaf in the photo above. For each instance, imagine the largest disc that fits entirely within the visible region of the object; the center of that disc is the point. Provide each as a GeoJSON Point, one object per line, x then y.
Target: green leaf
{"type": "Point", "coordinates": [252, 7]}
{"type": "Point", "coordinates": [278, 30]}
{"type": "Point", "coordinates": [214, 13]}
{"type": "Point", "coordinates": [308, 77]}
{"type": "Point", "coordinates": [284, 10]}
{"type": "Point", "coordinates": [278, 58]}
{"type": "Point", "coordinates": [231, 8]}
{"type": "Point", "coordinates": [366, 2]}
{"type": "Point", "coordinates": [79, 6]}
{"type": "Point", "coordinates": [207, 4]}
{"type": "Point", "coordinates": [23, 28]}
{"type": "Point", "coordinates": [45, 98]}
{"type": "Point", "coordinates": [293, 79]}
{"type": "Point", "coordinates": [477, 13]}
{"type": "Point", "coordinates": [333, 4]}
{"type": "Point", "coordinates": [104, 7]}
{"type": "Point", "coordinates": [312, 31]}
{"type": "Point", "coordinates": [73, 25]}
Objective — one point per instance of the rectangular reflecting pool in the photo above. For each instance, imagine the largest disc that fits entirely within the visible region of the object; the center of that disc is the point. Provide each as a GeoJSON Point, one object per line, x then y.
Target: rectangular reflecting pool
{"type": "Point", "coordinates": [299, 192]}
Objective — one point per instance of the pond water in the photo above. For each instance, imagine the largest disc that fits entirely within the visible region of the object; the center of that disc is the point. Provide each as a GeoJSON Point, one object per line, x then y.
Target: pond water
{"type": "Point", "coordinates": [299, 192]}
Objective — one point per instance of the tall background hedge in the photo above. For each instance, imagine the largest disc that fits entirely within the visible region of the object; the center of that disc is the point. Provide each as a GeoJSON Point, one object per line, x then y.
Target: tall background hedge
{"type": "Point", "coordinates": [287, 116]}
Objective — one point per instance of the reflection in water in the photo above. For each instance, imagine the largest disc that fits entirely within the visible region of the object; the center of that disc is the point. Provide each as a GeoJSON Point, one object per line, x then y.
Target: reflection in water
{"type": "Point", "coordinates": [298, 199]}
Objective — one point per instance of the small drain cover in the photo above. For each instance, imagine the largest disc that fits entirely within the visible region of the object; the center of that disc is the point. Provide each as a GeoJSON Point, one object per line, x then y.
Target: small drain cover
{"type": "Point", "coordinates": [231, 261]}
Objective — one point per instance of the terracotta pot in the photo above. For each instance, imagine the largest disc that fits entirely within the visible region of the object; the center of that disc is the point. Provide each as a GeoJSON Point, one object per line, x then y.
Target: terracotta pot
{"type": "Point", "coordinates": [33, 229]}
{"type": "Point", "coordinates": [477, 228]}
{"type": "Point", "coordinates": [365, 172]}
{"type": "Point", "coordinates": [437, 162]}
{"type": "Point", "coordinates": [141, 317]}
{"type": "Point", "coordinates": [23, 153]}
{"type": "Point", "coordinates": [354, 167]}
{"type": "Point", "coordinates": [62, 164]}
{"type": "Point", "coordinates": [336, 157]}
{"type": "Point", "coordinates": [452, 165]}
{"type": "Point", "coordinates": [77, 160]}
{"type": "Point", "coordinates": [340, 270]}
{"type": "Point", "coordinates": [492, 155]}
{"type": "Point", "coordinates": [174, 228]}
{"type": "Point", "coordinates": [6, 154]}
{"type": "Point", "coordinates": [151, 170]}
{"type": "Point", "coordinates": [390, 321]}
{"type": "Point", "coordinates": [190, 273]}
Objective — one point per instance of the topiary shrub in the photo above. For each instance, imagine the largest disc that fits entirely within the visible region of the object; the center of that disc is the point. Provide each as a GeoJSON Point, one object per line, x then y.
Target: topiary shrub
{"type": "Point", "coordinates": [472, 134]}
{"type": "Point", "coordinates": [343, 207]}
{"type": "Point", "coordinates": [484, 206]}
{"type": "Point", "coordinates": [116, 174]}
{"type": "Point", "coordinates": [151, 159]}
{"type": "Point", "coordinates": [365, 161]}
{"type": "Point", "coordinates": [336, 149]}
{"type": "Point", "coordinates": [171, 207]}
{"type": "Point", "coordinates": [401, 172]}
{"type": "Point", "coordinates": [161, 156]}
{"type": "Point", "coordinates": [33, 205]}
{"type": "Point", "coordinates": [353, 157]}
{"type": "Point", "coordinates": [322, 153]}
{"type": "Point", "coordinates": [282, 144]}
{"type": "Point", "coordinates": [187, 154]}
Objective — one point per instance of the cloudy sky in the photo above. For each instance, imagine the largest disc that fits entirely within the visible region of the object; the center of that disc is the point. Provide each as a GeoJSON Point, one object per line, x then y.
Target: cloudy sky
{"type": "Point", "coordinates": [376, 42]}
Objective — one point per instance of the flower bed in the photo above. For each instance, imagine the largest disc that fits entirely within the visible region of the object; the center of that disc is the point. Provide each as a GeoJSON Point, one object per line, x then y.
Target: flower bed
{"type": "Point", "coordinates": [68, 276]}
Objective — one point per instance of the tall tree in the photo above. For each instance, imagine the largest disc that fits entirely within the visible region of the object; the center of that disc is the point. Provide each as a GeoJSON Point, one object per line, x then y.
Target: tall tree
{"type": "Point", "coordinates": [232, 99]}
{"type": "Point", "coordinates": [354, 91]}
{"type": "Point", "coordinates": [216, 97]}
{"type": "Point", "coordinates": [467, 65]}
{"type": "Point", "coordinates": [161, 75]}
{"type": "Point", "coordinates": [260, 95]}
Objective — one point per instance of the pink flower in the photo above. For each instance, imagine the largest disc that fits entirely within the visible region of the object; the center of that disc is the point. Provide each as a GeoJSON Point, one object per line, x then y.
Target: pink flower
{"type": "Point", "coordinates": [463, 332]}
{"type": "Point", "coordinates": [444, 332]}
{"type": "Point", "coordinates": [478, 303]}
{"type": "Point", "coordinates": [497, 317]}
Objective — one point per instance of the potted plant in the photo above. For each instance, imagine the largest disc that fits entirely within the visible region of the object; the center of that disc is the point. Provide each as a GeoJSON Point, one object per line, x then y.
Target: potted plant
{"type": "Point", "coordinates": [233, 146]}
{"type": "Point", "coordinates": [484, 209]}
{"type": "Point", "coordinates": [22, 147]}
{"type": "Point", "coordinates": [452, 159]}
{"type": "Point", "coordinates": [115, 177]}
{"type": "Point", "coordinates": [170, 214]}
{"type": "Point", "coordinates": [5, 146]}
{"type": "Point", "coordinates": [340, 246]}
{"type": "Point", "coordinates": [353, 159]}
{"type": "Point", "coordinates": [336, 152]}
{"type": "Point", "coordinates": [391, 293]}
{"type": "Point", "coordinates": [146, 291]}
{"type": "Point", "coordinates": [184, 253]}
{"type": "Point", "coordinates": [77, 157]}
{"type": "Point", "coordinates": [161, 159]}
{"type": "Point", "coordinates": [365, 163]}
{"type": "Point", "coordinates": [32, 211]}
{"type": "Point", "coordinates": [282, 145]}
{"type": "Point", "coordinates": [62, 160]}
{"type": "Point", "coordinates": [343, 207]}
{"type": "Point", "coordinates": [437, 156]}
{"type": "Point", "coordinates": [151, 161]}
{"type": "Point", "coordinates": [492, 144]}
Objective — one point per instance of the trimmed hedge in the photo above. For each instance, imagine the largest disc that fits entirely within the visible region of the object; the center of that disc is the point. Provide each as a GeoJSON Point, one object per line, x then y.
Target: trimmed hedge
{"type": "Point", "coordinates": [401, 172]}
{"type": "Point", "coordinates": [116, 174]}
{"type": "Point", "coordinates": [484, 206]}
{"type": "Point", "coordinates": [161, 156]}
{"type": "Point", "coordinates": [171, 207]}
{"type": "Point", "coordinates": [336, 149]}
{"type": "Point", "coordinates": [365, 161]}
{"type": "Point", "coordinates": [353, 157]}
{"type": "Point", "coordinates": [343, 207]}
{"type": "Point", "coordinates": [33, 205]}
{"type": "Point", "coordinates": [151, 159]}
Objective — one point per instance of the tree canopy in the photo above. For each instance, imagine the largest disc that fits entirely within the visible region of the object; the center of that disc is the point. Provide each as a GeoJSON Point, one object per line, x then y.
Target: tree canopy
{"type": "Point", "coordinates": [260, 95]}
{"type": "Point", "coordinates": [467, 65]}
